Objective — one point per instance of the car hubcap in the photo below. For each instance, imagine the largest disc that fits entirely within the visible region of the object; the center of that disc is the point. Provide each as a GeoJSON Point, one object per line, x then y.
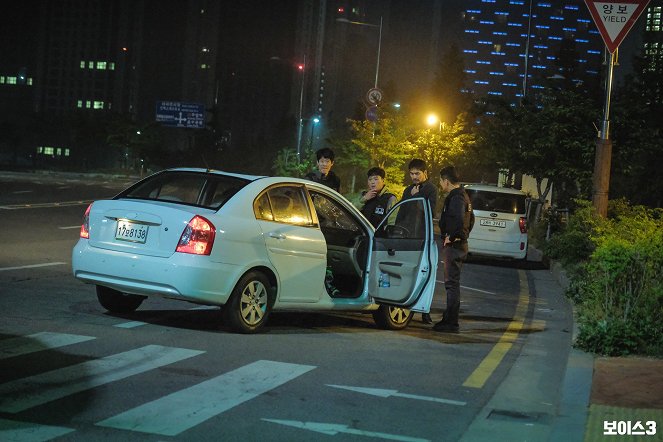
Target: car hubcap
{"type": "Point", "coordinates": [254, 302]}
{"type": "Point", "coordinates": [398, 315]}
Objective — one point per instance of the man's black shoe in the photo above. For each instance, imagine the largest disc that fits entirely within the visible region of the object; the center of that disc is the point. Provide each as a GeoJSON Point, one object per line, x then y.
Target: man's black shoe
{"type": "Point", "coordinates": [445, 327]}
{"type": "Point", "coordinates": [426, 319]}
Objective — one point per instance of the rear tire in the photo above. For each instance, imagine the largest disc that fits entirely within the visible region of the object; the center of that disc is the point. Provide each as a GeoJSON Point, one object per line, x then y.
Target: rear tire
{"type": "Point", "coordinates": [392, 318]}
{"type": "Point", "coordinates": [117, 302]}
{"type": "Point", "coordinates": [250, 303]}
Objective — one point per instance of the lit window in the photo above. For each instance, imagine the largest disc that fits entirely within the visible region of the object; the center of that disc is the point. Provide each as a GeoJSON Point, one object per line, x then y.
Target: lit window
{"type": "Point", "coordinates": [58, 151]}
{"type": "Point", "coordinates": [29, 81]}
{"type": "Point", "coordinates": [90, 64]}
{"type": "Point", "coordinates": [88, 104]}
{"type": "Point", "coordinates": [11, 80]}
{"type": "Point", "coordinates": [40, 149]}
{"type": "Point", "coordinates": [2, 79]}
{"type": "Point", "coordinates": [98, 104]}
{"type": "Point", "coordinates": [48, 151]}
{"type": "Point", "coordinates": [82, 64]}
{"type": "Point", "coordinates": [66, 152]}
{"type": "Point", "coordinates": [101, 65]}
{"type": "Point", "coordinates": [79, 104]}
{"type": "Point", "coordinates": [111, 66]}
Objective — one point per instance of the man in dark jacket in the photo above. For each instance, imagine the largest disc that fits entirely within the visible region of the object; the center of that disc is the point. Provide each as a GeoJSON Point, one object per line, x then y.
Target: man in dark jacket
{"type": "Point", "coordinates": [420, 187]}
{"type": "Point", "coordinates": [324, 174]}
{"type": "Point", "coordinates": [376, 200]}
{"type": "Point", "coordinates": [456, 221]}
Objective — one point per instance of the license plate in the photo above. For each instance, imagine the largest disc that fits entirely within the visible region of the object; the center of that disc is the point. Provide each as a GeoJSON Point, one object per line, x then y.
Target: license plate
{"type": "Point", "coordinates": [128, 231]}
{"type": "Point", "coordinates": [492, 223]}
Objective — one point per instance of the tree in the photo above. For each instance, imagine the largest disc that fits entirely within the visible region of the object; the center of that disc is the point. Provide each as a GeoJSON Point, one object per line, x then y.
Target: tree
{"type": "Point", "coordinates": [385, 143]}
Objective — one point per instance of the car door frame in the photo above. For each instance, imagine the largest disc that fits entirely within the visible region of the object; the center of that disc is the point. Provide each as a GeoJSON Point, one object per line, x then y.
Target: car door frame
{"type": "Point", "coordinates": [421, 294]}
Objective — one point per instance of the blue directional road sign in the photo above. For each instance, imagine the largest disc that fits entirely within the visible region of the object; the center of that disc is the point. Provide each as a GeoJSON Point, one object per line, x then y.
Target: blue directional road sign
{"type": "Point", "coordinates": [177, 114]}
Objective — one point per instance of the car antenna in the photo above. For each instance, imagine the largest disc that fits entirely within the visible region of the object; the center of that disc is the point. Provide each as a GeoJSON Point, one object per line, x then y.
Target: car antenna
{"type": "Point", "coordinates": [205, 162]}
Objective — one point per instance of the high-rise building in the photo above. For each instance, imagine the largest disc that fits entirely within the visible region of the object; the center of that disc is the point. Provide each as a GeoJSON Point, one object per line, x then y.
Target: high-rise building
{"type": "Point", "coordinates": [652, 52]}
{"type": "Point", "coordinates": [512, 47]}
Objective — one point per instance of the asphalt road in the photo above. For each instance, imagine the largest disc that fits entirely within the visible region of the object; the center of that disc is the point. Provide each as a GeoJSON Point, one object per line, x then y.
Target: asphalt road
{"type": "Point", "coordinates": [172, 371]}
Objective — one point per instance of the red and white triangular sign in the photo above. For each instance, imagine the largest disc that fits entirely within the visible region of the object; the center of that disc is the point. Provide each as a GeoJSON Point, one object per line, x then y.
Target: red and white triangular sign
{"type": "Point", "coordinates": [615, 18]}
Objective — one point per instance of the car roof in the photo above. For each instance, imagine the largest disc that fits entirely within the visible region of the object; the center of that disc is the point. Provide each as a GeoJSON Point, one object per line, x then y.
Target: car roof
{"type": "Point", "coordinates": [491, 188]}
{"type": "Point", "coordinates": [214, 171]}
{"type": "Point", "coordinates": [269, 180]}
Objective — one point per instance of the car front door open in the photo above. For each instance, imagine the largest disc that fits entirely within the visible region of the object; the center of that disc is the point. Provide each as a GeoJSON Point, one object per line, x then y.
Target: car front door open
{"type": "Point", "coordinates": [403, 258]}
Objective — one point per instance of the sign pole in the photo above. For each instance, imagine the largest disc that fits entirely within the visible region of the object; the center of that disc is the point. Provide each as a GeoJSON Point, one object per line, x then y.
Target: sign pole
{"type": "Point", "coordinates": [603, 158]}
{"type": "Point", "coordinates": [613, 18]}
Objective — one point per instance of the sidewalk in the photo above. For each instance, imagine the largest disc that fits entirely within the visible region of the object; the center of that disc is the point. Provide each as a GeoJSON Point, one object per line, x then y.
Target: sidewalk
{"type": "Point", "coordinates": [622, 392]}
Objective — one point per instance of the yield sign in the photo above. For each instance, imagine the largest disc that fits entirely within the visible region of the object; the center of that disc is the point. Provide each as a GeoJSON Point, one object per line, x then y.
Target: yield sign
{"type": "Point", "coordinates": [615, 18]}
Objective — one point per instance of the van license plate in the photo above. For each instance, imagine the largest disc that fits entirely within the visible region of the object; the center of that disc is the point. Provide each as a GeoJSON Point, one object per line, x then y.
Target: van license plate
{"type": "Point", "coordinates": [128, 231]}
{"type": "Point", "coordinates": [492, 223]}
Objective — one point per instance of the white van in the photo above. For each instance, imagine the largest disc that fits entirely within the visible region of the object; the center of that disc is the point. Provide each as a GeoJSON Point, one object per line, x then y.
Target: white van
{"type": "Point", "coordinates": [500, 226]}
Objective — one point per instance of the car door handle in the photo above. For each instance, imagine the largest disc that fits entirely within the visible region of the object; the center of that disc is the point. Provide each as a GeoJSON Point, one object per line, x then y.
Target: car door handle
{"type": "Point", "coordinates": [391, 252]}
{"type": "Point", "coordinates": [276, 235]}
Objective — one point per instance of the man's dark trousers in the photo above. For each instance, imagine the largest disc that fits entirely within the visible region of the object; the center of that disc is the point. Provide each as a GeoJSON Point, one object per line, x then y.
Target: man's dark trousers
{"type": "Point", "coordinates": [453, 256]}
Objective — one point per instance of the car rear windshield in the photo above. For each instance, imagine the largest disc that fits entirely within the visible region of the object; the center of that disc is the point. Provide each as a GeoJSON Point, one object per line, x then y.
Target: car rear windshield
{"type": "Point", "coordinates": [496, 201]}
{"type": "Point", "coordinates": [193, 188]}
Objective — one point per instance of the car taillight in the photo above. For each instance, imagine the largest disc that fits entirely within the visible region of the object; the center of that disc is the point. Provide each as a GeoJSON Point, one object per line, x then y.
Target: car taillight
{"type": "Point", "coordinates": [85, 227]}
{"type": "Point", "coordinates": [198, 237]}
{"type": "Point", "coordinates": [522, 223]}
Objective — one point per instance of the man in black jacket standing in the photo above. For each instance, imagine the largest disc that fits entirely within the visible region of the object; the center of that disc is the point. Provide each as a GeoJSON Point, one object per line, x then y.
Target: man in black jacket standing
{"type": "Point", "coordinates": [456, 221]}
{"type": "Point", "coordinates": [324, 174]}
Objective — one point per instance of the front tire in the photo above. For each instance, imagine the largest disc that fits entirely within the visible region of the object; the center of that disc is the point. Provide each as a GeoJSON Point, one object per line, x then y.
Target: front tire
{"type": "Point", "coordinates": [117, 302]}
{"type": "Point", "coordinates": [392, 318]}
{"type": "Point", "coordinates": [250, 303]}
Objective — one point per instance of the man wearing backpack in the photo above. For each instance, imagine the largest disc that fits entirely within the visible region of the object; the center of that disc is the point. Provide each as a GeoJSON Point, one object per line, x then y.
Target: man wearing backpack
{"type": "Point", "coordinates": [456, 222]}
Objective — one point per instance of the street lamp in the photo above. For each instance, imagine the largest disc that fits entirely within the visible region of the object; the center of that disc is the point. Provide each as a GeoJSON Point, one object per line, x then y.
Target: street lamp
{"type": "Point", "coordinates": [432, 119]}
{"type": "Point", "coordinates": [314, 123]}
{"type": "Point", "coordinates": [371, 25]}
{"type": "Point", "coordinates": [302, 69]}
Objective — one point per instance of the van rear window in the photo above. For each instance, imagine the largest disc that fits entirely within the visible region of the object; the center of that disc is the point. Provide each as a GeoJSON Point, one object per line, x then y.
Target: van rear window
{"type": "Point", "coordinates": [496, 201]}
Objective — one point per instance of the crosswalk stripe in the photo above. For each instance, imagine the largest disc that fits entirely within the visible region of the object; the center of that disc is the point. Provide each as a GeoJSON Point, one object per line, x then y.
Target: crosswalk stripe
{"type": "Point", "coordinates": [37, 342]}
{"type": "Point", "coordinates": [15, 431]}
{"type": "Point", "coordinates": [25, 393]}
{"type": "Point", "coordinates": [179, 411]}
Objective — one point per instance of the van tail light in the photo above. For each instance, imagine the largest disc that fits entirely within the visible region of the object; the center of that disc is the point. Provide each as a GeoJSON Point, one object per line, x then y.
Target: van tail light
{"type": "Point", "coordinates": [85, 227]}
{"type": "Point", "coordinates": [522, 223]}
{"type": "Point", "coordinates": [198, 237]}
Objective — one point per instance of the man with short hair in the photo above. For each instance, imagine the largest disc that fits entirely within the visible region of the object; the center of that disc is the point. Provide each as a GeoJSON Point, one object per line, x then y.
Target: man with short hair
{"type": "Point", "coordinates": [324, 174]}
{"type": "Point", "coordinates": [456, 221]}
{"type": "Point", "coordinates": [377, 200]}
{"type": "Point", "coordinates": [420, 187]}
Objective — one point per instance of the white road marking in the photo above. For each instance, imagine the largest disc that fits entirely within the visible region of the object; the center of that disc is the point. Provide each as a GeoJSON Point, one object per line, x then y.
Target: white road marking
{"type": "Point", "coordinates": [469, 288]}
{"type": "Point", "coordinates": [25, 393]}
{"type": "Point", "coordinates": [130, 324]}
{"type": "Point", "coordinates": [78, 226]}
{"type": "Point", "coordinates": [179, 411]}
{"type": "Point", "coordinates": [387, 393]}
{"type": "Point", "coordinates": [334, 429]}
{"type": "Point", "coordinates": [32, 266]}
{"type": "Point", "coordinates": [16, 431]}
{"type": "Point", "coordinates": [21, 191]}
{"type": "Point", "coordinates": [37, 342]}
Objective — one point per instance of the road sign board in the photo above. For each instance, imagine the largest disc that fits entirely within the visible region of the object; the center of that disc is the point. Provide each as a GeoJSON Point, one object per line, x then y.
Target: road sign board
{"type": "Point", "coordinates": [614, 18]}
{"type": "Point", "coordinates": [374, 96]}
{"type": "Point", "coordinates": [177, 114]}
{"type": "Point", "coordinates": [372, 114]}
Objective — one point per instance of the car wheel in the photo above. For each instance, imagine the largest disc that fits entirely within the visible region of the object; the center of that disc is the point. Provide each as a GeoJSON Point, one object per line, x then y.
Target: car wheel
{"type": "Point", "coordinates": [392, 318]}
{"type": "Point", "coordinates": [117, 302]}
{"type": "Point", "coordinates": [249, 304]}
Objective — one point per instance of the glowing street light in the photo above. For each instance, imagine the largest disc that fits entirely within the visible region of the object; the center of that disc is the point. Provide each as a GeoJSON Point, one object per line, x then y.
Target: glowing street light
{"type": "Point", "coordinates": [433, 119]}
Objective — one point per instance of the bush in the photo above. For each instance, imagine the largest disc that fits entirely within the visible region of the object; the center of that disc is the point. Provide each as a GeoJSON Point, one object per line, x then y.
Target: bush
{"type": "Point", "coordinates": [617, 280]}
